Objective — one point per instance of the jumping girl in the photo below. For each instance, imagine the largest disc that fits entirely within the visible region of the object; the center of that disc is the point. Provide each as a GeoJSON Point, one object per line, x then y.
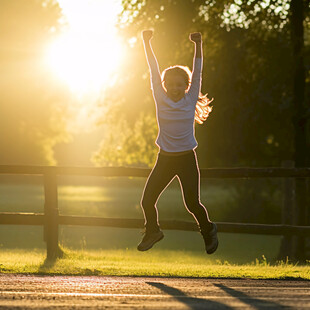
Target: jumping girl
{"type": "Point", "coordinates": [179, 103]}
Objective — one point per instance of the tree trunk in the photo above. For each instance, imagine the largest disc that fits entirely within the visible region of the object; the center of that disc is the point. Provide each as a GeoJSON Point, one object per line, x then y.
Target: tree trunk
{"type": "Point", "coordinates": [300, 119]}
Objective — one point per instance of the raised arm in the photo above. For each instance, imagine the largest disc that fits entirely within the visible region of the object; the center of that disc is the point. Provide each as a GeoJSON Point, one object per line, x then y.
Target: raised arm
{"type": "Point", "coordinates": [196, 38]}
{"type": "Point", "coordinates": [150, 56]}
{"type": "Point", "coordinates": [197, 65]}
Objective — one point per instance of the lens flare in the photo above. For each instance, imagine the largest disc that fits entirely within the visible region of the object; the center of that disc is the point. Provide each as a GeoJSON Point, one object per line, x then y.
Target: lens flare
{"type": "Point", "coordinates": [88, 53]}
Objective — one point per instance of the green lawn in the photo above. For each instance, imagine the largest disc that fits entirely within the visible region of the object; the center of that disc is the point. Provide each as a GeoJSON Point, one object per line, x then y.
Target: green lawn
{"type": "Point", "coordinates": [153, 263]}
{"type": "Point", "coordinates": [112, 197]}
{"type": "Point", "coordinates": [111, 251]}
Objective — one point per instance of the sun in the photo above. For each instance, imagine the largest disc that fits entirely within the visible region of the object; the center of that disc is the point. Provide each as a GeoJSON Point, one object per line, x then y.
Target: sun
{"type": "Point", "coordinates": [87, 54]}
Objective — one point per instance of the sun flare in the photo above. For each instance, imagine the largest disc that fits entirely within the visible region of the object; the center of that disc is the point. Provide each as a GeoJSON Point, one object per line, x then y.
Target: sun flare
{"type": "Point", "coordinates": [87, 54]}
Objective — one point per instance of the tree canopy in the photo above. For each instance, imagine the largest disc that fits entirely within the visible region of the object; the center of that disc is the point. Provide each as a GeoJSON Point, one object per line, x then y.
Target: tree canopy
{"type": "Point", "coordinates": [31, 113]}
{"type": "Point", "coordinates": [248, 69]}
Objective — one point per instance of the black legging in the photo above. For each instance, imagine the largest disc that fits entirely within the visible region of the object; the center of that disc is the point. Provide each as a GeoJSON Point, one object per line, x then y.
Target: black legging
{"type": "Point", "coordinates": [166, 168]}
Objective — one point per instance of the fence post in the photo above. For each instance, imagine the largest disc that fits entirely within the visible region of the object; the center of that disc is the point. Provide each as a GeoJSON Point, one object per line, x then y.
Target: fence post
{"type": "Point", "coordinates": [51, 214]}
{"type": "Point", "coordinates": [286, 248]}
{"type": "Point", "coordinates": [300, 218]}
{"type": "Point", "coordinates": [307, 245]}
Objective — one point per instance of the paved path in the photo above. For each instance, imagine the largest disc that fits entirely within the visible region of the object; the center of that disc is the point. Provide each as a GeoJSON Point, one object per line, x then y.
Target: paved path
{"type": "Point", "coordinates": [69, 292]}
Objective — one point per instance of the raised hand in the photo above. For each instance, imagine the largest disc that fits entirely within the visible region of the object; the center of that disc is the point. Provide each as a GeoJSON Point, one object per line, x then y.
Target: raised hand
{"type": "Point", "coordinates": [195, 37]}
{"type": "Point", "coordinates": [147, 35]}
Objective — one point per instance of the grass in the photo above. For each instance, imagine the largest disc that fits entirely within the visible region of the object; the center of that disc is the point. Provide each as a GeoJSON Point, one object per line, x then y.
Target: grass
{"type": "Point", "coordinates": [235, 248]}
{"type": "Point", "coordinates": [120, 197]}
{"type": "Point", "coordinates": [114, 198]}
{"type": "Point", "coordinates": [154, 263]}
{"type": "Point", "coordinates": [101, 251]}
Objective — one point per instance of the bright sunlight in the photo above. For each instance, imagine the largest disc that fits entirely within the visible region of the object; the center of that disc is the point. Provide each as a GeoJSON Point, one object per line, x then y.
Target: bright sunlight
{"type": "Point", "coordinates": [88, 52]}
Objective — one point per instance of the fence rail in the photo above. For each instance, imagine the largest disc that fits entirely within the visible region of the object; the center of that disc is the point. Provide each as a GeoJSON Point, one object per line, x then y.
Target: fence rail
{"type": "Point", "coordinates": [51, 219]}
{"type": "Point", "coordinates": [245, 172]}
{"type": "Point", "coordinates": [8, 218]}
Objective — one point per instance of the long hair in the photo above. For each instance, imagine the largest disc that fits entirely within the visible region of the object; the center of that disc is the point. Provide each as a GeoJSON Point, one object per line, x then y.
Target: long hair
{"type": "Point", "coordinates": [203, 108]}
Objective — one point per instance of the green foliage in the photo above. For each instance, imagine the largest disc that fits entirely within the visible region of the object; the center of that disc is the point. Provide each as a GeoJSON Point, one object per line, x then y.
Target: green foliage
{"type": "Point", "coordinates": [126, 145]}
{"type": "Point", "coordinates": [32, 114]}
{"type": "Point", "coordinates": [247, 69]}
{"type": "Point", "coordinates": [255, 201]}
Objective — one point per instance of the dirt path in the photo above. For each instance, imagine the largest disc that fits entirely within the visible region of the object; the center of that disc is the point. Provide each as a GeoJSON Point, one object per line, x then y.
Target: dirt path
{"type": "Point", "coordinates": [69, 292]}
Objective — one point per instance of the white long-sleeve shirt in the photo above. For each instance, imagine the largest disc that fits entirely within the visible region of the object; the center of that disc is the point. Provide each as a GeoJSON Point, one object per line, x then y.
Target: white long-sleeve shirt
{"type": "Point", "coordinates": [176, 119]}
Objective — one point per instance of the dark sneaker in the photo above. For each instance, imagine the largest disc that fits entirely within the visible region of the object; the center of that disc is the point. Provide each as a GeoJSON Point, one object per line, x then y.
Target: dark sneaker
{"type": "Point", "coordinates": [149, 239]}
{"type": "Point", "coordinates": [210, 238]}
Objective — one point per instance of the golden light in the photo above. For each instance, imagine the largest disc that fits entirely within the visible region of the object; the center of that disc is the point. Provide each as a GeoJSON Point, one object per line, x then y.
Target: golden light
{"type": "Point", "coordinates": [87, 54]}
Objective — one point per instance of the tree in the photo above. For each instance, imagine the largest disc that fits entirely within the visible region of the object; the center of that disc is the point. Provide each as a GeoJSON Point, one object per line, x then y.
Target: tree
{"type": "Point", "coordinates": [248, 65]}
{"type": "Point", "coordinates": [248, 68]}
{"type": "Point", "coordinates": [31, 111]}
{"type": "Point", "coordinates": [128, 146]}
{"type": "Point", "coordinates": [301, 156]}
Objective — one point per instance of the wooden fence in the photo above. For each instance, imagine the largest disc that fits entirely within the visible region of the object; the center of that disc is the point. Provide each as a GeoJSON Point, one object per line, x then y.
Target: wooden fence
{"type": "Point", "coordinates": [51, 219]}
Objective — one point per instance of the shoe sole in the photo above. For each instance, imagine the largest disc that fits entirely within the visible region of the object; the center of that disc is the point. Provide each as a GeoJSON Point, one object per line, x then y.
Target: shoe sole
{"type": "Point", "coordinates": [213, 249]}
{"type": "Point", "coordinates": [151, 245]}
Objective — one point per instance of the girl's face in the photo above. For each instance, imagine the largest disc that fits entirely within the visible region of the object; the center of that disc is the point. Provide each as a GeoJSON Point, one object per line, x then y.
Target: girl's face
{"type": "Point", "coordinates": [176, 87]}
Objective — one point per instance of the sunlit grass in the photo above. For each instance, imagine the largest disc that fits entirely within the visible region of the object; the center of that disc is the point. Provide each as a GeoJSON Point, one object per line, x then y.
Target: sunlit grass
{"type": "Point", "coordinates": [84, 194]}
{"type": "Point", "coordinates": [154, 263]}
{"type": "Point", "coordinates": [114, 198]}
{"type": "Point", "coordinates": [120, 198]}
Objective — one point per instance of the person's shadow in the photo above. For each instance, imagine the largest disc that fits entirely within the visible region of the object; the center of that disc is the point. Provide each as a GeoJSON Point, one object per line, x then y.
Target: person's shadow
{"type": "Point", "coordinates": [255, 303]}
{"type": "Point", "coordinates": [201, 303]}
{"type": "Point", "coordinates": [194, 303]}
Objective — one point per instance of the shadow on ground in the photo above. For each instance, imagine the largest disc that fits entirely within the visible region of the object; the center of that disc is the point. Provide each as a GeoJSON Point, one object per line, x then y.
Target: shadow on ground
{"type": "Point", "coordinates": [255, 303]}
{"type": "Point", "coordinates": [196, 303]}
{"type": "Point", "coordinates": [191, 302]}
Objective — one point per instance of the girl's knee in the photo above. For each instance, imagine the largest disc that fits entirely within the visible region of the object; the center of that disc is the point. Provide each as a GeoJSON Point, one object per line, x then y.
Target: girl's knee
{"type": "Point", "coordinates": [147, 202]}
{"type": "Point", "coordinates": [193, 205]}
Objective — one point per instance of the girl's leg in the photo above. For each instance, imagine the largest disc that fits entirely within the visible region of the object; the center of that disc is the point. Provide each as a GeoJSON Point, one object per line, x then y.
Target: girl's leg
{"type": "Point", "coordinates": [189, 177]}
{"type": "Point", "coordinates": [160, 176]}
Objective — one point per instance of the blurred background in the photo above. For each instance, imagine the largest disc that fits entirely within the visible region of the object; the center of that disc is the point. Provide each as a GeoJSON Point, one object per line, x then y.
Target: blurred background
{"type": "Point", "coordinates": [75, 91]}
